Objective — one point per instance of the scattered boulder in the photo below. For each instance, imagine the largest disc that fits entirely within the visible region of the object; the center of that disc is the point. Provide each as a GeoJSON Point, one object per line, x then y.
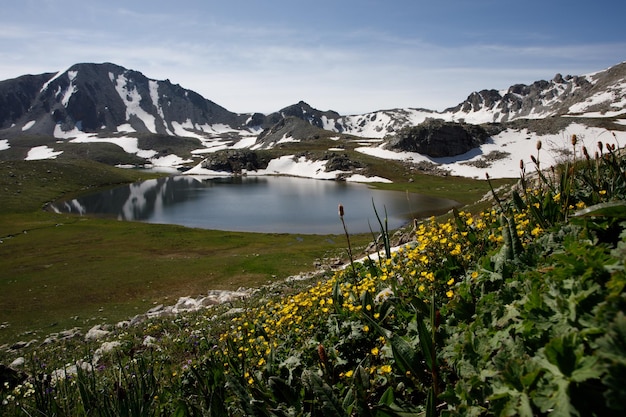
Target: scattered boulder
{"type": "Point", "coordinates": [69, 371]}
{"type": "Point", "coordinates": [61, 336]}
{"type": "Point", "coordinates": [17, 363]}
{"type": "Point", "coordinates": [96, 333]}
{"type": "Point", "coordinates": [22, 344]}
{"type": "Point", "coordinates": [105, 348]}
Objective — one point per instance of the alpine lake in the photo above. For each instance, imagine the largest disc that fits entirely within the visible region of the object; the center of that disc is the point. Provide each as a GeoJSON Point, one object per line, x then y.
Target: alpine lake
{"type": "Point", "coordinates": [268, 204]}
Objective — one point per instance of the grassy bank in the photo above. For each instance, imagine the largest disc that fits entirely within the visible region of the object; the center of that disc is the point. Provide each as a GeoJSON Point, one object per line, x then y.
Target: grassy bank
{"type": "Point", "coordinates": [59, 271]}
{"type": "Point", "coordinates": [515, 310]}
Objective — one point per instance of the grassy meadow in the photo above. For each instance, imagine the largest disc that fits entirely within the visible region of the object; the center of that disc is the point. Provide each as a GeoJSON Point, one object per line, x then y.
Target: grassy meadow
{"type": "Point", "coordinates": [513, 307]}
{"type": "Point", "coordinates": [59, 271]}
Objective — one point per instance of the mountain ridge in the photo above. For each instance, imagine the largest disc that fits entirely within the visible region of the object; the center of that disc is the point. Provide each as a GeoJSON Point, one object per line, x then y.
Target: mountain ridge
{"type": "Point", "coordinates": [91, 102]}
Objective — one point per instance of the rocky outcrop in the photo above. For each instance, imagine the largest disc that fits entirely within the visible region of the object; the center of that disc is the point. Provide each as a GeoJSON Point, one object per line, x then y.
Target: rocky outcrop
{"type": "Point", "coordinates": [341, 162]}
{"type": "Point", "coordinates": [289, 129]}
{"type": "Point", "coordinates": [235, 161]}
{"type": "Point", "coordinates": [436, 138]}
{"type": "Point", "coordinates": [304, 111]}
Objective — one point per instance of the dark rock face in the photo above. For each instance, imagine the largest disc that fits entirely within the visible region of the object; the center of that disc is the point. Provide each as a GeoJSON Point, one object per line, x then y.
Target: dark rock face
{"type": "Point", "coordinates": [341, 162]}
{"type": "Point", "coordinates": [289, 127]}
{"type": "Point", "coordinates": [101, 97]}
{"type": "Point", "coordinates": [437, 138]}
{"type": "Point", "coordinates": [304, 111]}
{"type": "Point", "coordinates": [520, 100]}
{"type": "Point", "coordinates": [235, 161]}
{"type": "Point", "coordinates": [17, 96]}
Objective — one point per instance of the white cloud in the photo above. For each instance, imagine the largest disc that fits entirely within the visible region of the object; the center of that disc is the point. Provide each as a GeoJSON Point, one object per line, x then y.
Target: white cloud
{"type": "Point", "coordinates": [247, 62]}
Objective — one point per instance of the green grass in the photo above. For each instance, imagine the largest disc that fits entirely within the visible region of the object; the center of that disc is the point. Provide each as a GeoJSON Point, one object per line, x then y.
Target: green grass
{"type": "Point", "coordinates": [59, 271]}
{"type": "Point", "coordinates": [104, 270]}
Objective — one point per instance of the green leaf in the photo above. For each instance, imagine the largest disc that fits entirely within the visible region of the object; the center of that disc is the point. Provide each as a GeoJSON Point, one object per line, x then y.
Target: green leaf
{"type": "Point", "coordinates": [388, 397]}
{"type": "Point", "coordinates": [614, 209]}
{"type": "Point", "coordinates": [431, 410]}
{"type": "Point", "coordinates": [561, 352]}
{"type": "Point", "coordinates": [426, 343]}
{"type": "Point", "coordinates": [406, 356]}
{"type": "Point", "coordinates": [329, 404]}
{"type": "Point", "coordinates": [282, 391]}
{"type": "Point", "coordinates": [349, 401]}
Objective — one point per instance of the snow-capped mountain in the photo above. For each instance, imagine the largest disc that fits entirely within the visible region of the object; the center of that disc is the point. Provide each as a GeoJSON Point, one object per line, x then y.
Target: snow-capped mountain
{"type": "Point", "coordinates": [97, 98]}
{"type": "Point", "coordinates": [157, 122]}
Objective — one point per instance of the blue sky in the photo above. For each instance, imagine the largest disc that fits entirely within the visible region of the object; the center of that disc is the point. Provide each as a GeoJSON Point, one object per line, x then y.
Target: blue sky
{"type": "Point", "coordinates": [345, 55]}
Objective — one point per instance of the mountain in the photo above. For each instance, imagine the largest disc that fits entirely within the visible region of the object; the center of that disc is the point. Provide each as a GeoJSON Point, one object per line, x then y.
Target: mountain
{"type": "Point", "coordinates": [599, 94]}
{"type": "Point", "coordinates": [120, 116]}
{"type": "Point", "coordinates": [95, 98]}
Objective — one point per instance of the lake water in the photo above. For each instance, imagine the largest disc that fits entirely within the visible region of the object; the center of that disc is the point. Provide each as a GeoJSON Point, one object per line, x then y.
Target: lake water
{"type": "Point", "coordinates": [257, 204]}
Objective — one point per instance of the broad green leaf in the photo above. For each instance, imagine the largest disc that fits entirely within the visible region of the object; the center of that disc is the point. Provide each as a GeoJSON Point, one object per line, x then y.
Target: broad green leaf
{"type": "Point", "coordinates": [349, 400]}
{"type": "Point", "coordinates": [387, 398]}
{"type": "Point", "coordinates": [614, 209]}
{"type": "Point", "coordinates": [405, 355]}
{"type": "Point", "coordinates": [328, 402]}
{"type": "Point", "coordinates": [587, 369]}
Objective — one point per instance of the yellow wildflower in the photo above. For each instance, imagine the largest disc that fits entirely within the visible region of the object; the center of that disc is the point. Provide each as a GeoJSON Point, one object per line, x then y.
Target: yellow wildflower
{"type": "Point", "coordinates": [385, 369]}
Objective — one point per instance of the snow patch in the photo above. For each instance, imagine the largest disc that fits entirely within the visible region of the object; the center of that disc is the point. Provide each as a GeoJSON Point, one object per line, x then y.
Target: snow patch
{"type": "Point", "coordinates": [126, 128]}
{"type": "Point", "coordinates": [297, 167]}
{"type": "Point", "coordinates": [68, 134]}
{"type": "Point", "coordinates": [286, 139]}
{"type": "Point", "coordinates": [519, 145]}
{"type": "Point", "coordinates": [132, 100]}
{"type": "Point", "coordinates": [245, 142]}
{"type": "Point", "coordinates": [28, 125]}
{"type": "Point", "coordinates": [128, 144]}
{"type": "Point", "coordinates": [363, 178]}
{"type": "Point", "coordinates": [42, 152]}
{"type": "Point", "coordinates": [4, 144]}
{"type": "Point", "coordinates": [169, 161]}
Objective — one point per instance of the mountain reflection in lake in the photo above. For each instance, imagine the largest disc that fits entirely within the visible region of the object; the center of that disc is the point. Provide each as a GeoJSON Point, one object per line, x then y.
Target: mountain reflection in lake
{"type": "Point", "coordinates": [257, 204]}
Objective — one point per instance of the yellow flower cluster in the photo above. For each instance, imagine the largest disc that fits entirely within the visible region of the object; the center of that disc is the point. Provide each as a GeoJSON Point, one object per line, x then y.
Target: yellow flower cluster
{"type": "Point", "coordinates": [430, 266]}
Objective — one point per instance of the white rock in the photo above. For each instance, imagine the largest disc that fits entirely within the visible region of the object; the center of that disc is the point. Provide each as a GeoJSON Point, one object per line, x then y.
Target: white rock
{"type": "Point", "coordinates": [149, 341]}
{"type": "Point", "coordinates": [96, 332]}
{"type": "Point", "coordinates": [17, 363]}
{"type": "Point", "coordinates": [107, 347]}
{"type": "Point", "coordinates": [69, 370]}
{"type": "Point", "coordinates": [104, 348]}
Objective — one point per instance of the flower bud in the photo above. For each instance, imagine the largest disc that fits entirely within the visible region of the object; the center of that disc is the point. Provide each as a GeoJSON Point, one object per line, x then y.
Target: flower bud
{"type": "Point", "coordinates": [574, 140]}
{"type": "Point", "coordinates": [538, 145]}
{"type": "Point", "coordinates": [321, 352]}
{"type": "Point", "coordinates": [340, 210]}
